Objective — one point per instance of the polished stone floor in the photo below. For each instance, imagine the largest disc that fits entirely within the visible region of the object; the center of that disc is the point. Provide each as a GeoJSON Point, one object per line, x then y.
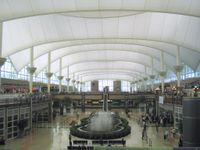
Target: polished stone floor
{"type": "Point", "coordinates": [54, 136]}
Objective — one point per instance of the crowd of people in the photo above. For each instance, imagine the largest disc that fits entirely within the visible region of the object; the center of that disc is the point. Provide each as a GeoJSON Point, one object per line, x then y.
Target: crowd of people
{"type": "Point", "coordinates": [158, 121]}
{"type": "Point", "coordinates": [163, 120]}
{"type": "Point", "coordinates": [13, 90]}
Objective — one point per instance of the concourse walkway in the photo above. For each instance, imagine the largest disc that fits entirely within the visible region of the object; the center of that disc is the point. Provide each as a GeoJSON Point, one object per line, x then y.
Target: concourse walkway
{"type": "Point", "coordinates": [133, 148]}
{"type": "Point", "coordinates": [54, 136]}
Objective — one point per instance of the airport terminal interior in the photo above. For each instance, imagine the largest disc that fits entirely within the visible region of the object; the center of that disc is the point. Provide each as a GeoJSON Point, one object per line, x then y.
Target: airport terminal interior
{"type": "Point", "coordinates": [99, 75]}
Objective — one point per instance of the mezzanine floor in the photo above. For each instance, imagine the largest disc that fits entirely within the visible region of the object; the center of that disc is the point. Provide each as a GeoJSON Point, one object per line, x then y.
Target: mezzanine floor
{"type": "Point", "coordinates": [55, 136]}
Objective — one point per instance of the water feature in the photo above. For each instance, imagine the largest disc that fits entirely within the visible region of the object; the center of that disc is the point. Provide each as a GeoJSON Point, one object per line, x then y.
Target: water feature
{"type": "Point", "coordinates": [101, 121]}
{"type": "Point", "coordinates": [102, 125]}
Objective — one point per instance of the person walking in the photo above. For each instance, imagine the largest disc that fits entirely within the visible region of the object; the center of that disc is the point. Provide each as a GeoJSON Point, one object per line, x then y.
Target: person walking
{"type": "Point", "coordinates": [161, 121]}
{"type": "Point", "coordinates": [144, 131]}
{"type": "Point", "coordinates": [70, 140]}
{"type": "Point", "coordinates": [180, 143]}
{"type": "Point", "coordinates": [166, 134]}
{"type": "Point", "coordinates": [157, 127]}
{"type": "Point", "coordinates": [123, 142]}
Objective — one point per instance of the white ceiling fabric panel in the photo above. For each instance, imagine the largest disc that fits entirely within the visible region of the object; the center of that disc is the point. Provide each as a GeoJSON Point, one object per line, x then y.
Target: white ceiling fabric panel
{"type": "Point", "coordinates": [18, 8]}
{"type": "Point", "coordinates": [106, 56]}
{"type": "Point", "coordinates": [133, 4]}
{"type": "Point", "coordinates": [131, 72]}
{"type": "Point", "coordinates": [110, 27]}
{"type": "Point", "coordinates": [75, 55]}
{"type": "Point", "coordinates": [192, 38]}
{"type": "Point", "coordinates": [114, 33]}
{"type": "Point", "coordinates": [194, 7]}
{"type": "Point", "coordinates": [36, 30]}
{"type": "Point", "coordinates": [141, 25]}
{"type": "Point", "coordinates": [94, 28]}
{"type": "Point", "coordinates": [78, 27]}
{"type": "Point", "coordinates": [155, 29]}
{"type": "Point", "coordinates": [37, 7]}
{"type": "Point", "coordinates": [179, 5]}
{"type": "Point", "coordinates": [156, 5]}
{"type": "Point", "coordinates": [63, 5]}
{"type": "Point", "coordinates": [5, 11]}
{"type": "Point", "coordinates": [171, 49]}
{"type": "Point", "coordinates": [114, 73]}
{"type": "Point", "coordinates": [193, 59]}
{"type": "Point", "coordinates": [170, 61]}
{"type": "Point", "coordinates": [24, 8]}
{"type": "Point", "coordinates": [101, 14]}
{"type": "Point", "coordinates": [145, 27]}
{"type": "Point", "coordinates": [42, 49]}
{"type": "Point", "coordinates": [107, 76]}
{"type": "Point", "coordinates": [111, 4]}
{"type": "Point", "coordinates": [182, 22]}
{"type": "Point", "coordinates": [86, 4]}
{"type": "Point", "coordinates": [49, 28]}
{"type": "Point", "coordinates": [104, 65]}
{"type": "Point", "coordinates": [126, 26]}
{"type": "Point", "coordinates": [54, 65]}
{"type": "Point", "coordinates": [39, 61]}
{"type": "Point", "coordinates": [20, 59]}
{"type": "Point", "coordinates": [18, 35]}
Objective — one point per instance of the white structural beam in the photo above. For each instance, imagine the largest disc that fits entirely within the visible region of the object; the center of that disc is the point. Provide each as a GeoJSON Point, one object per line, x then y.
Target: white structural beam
{"type": "Point", "coordinates": [77, 83]}
{"type": "Point", "coordinates": [60, 77]}
{"type": "Point", "coordinates": [68, 79]}
{"type": "Point", "coordinates": [138, 82]}
{"type": "Point", "coordinates": [178, 67]}
{"type": "Point", "coordinates": [145, 80]}
{"type": "Point", "coordinates": [73, 82]}
{"type": "Point", "coordinates": [48, 73]}
{"type": "Point", "coordinates": [162, 71]}
{"type": "Point", "coordinates": [31, 69]}
{"type": "Point", "coordinates": [81, 84]}
{"type": "Point", "coordinates": [152, 76]}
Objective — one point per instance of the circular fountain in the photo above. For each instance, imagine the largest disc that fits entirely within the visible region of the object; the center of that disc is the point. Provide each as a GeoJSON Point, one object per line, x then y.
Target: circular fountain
{"type": "Point", "coordinates": [102, 125]}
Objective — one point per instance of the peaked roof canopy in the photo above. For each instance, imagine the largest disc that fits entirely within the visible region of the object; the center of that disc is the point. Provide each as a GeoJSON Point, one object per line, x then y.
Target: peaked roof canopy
{"type": "Point", "coordinates": [101, 39]}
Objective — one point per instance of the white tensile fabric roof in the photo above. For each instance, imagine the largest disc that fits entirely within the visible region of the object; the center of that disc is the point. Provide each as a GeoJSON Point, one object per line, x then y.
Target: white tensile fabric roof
{"type": "Point", "coordinates": [101, 39]}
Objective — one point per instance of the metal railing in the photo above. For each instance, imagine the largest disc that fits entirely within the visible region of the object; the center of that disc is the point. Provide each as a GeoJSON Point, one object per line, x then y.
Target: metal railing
{"type": "Point", "coordinates": [23, 99]}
